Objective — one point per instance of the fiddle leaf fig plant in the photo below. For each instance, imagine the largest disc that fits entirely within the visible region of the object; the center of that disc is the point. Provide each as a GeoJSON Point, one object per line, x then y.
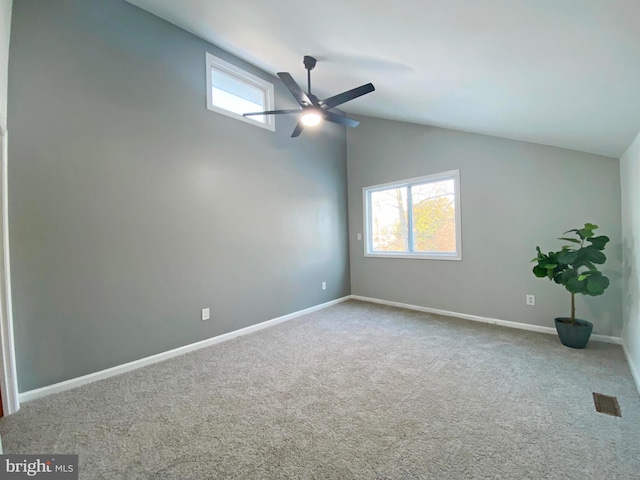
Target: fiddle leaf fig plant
{"type": "Point", "coordinates": [575, 265]}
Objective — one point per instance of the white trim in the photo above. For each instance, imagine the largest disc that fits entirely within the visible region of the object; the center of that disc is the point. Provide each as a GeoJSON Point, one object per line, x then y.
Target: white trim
{"type": "Point", "coordinates": [8, 375]}
{"type": "Point", "coordinates": [434, 177]}
{"type": "Point", "coordinates": [214, 62]}
{"type": "Point", "coordinates": [161, 357]}
{"type": "Point", "coordinates": [635, 373]}
{"type": "Point", "coordinates": [416, 256]}
{"type": "Point", "coordinates": [117, 370]}
{"type": "Point", "coordinates": [477, 318]}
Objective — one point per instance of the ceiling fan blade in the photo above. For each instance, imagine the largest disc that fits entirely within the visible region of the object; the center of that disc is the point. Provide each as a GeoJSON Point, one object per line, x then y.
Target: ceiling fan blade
{"type": "Point", "coordinates": [295, 89]}
{"type": "Point", "coordinates": [298, 130]}
{"type": "Point", "coordinates": [341, 119]}
{"type": "Point", "coordinates": [272, 112]}
{"type": "Point", "coordinates": [343, 97]}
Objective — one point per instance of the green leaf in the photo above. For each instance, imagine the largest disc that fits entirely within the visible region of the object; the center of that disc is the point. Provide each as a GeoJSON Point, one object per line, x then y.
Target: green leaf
{"type": "Point", "coordinates": [593, 255]}
{"type": "Point", "coordinates": [584, 233]}
{"type": "Point", "coordinates": [563, 276]}
{"type": "Point", "coordinates": [570, 240]}
{"type": "Point", "coordinates": [599, 242]}
{"type": "Point", "coordinates": [574, 285]}
{"type": "Point", "coordinates": [539, 271]}
{"type": "Point", "coordinates": [597, 285]}
{"type": "Point", "coordinates": [584, 276]}
{"type": "Point", "coordinates": [587, 231]}
{"type": "Point", "coordinates": [567, 274]}
{"type": "Point", "coordinates": [567, 257]}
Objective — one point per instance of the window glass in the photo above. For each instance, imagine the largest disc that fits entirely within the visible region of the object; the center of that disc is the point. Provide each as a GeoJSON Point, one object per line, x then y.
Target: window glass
{"type": "Point", "coordinates": [434, 217]}
{"type": "Point", "coordinates": [414, 218]}
{"type": "Point", "coordinates": [389, 220]}
{"type": "Point", "coordinates": [233, 91]}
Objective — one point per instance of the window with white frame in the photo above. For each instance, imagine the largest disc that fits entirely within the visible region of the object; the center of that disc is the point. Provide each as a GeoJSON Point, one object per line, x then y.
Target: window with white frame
{"type": "Point", "coordinates": [414, 218]}
{"type": "Point", "coordinates": [232, 92]}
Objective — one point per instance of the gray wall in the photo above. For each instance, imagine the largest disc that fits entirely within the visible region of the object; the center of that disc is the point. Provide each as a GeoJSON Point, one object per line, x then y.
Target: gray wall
{"type": "Point", "coordinates": [514, 196]}
{"type": "Point", "coordinates": [630, 179]}
{"type": "Point", "coordinates": [132, 206]}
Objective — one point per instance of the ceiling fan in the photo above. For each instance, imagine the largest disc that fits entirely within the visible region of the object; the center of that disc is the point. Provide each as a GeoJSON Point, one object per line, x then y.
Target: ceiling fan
{"type": "Point", "coordinates": [314, 110]}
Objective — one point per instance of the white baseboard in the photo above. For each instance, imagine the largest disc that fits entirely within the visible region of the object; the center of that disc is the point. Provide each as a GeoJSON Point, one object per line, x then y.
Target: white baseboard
{"type": "Point", "coordinates": [635, 372]}
{"type": "Point", "coordinates": [161, 357]}
{"type": "Point", "coordinates": [477, 318]}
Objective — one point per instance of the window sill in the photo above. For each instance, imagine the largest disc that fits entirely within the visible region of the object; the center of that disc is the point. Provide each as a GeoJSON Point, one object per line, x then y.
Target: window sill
{"type": "Point", "coordinates": [430, 256]}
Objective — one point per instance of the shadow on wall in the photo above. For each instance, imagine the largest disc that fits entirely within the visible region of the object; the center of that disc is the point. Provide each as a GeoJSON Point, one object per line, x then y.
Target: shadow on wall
{"type": "Point", "coordinates": [608, 320]}
{"type": "Point", "coordinates": [632, 289]}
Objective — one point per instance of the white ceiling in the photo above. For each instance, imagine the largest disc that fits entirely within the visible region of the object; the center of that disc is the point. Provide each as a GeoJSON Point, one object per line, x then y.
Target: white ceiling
{"type": "Point", "coordinates": [556, 72]}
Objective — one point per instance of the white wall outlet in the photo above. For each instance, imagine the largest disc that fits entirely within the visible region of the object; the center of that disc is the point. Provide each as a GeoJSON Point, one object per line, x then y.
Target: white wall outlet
{"type": "Point", "coordinates": [324, 285]}
{"type": "Point", "coordinates": [206, 314]}
{"type": "Point", "coordinates": [359, 236]}
{"type": "Point", "coordinates": [531, 299]}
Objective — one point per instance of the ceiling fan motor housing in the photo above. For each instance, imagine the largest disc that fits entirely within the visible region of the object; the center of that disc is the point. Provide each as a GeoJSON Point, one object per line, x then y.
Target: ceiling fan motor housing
{"type": "Point", "coordinates": [309, 62]}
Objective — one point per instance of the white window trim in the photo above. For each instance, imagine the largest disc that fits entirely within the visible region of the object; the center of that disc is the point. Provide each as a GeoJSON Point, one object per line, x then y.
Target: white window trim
{"type": "Point", "coordinates": [218, 63]}
{"type": "Point", "coordinates": [366, 204]}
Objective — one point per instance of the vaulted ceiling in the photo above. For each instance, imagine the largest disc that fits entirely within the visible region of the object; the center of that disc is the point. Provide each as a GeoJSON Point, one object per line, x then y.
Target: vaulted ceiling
{"type": "Point", "coordinates": [556, 72]}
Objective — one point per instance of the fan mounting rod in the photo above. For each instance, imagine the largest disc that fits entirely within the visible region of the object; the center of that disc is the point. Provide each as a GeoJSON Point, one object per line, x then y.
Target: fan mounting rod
{"type": "Point", "coordinates": [309, 64]}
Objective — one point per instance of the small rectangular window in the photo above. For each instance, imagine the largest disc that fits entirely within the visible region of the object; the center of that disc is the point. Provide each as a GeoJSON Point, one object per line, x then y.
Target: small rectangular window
{"type": "Point", "coordinates": [414, 218]}
{"type": "Point", "coordinates": [232, 92]}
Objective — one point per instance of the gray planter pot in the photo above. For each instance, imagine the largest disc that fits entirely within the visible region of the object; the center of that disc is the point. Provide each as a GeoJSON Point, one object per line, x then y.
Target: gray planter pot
{"type": "Point", "coordinates": [574, 336]}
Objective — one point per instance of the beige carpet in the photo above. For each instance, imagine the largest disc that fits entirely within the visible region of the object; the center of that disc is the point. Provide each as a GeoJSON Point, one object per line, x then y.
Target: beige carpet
{"type": "Point", "coordinates": [355, 391]}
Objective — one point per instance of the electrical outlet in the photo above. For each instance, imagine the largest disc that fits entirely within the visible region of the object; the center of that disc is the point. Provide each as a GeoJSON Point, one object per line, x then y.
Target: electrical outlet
{"type": "Point", "coordinates": [324, 285]}
{"type": "Point", "coordinates": [531, 300]}
{"type": "Point", "coordinates": [206, 315]}
{"type": "Point", "coordinates": [359, 236]}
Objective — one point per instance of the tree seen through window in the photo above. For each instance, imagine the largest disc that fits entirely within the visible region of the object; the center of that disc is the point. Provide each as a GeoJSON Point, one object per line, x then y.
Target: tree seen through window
{"type": "Point", "coordinates": [414, 218]}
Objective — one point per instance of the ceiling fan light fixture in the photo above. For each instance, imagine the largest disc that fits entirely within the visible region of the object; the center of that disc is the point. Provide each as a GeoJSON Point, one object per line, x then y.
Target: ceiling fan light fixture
{"type": "Point", "coordinates": [314, 110]}
{"type": "Point", "coordinates": [310, 118]}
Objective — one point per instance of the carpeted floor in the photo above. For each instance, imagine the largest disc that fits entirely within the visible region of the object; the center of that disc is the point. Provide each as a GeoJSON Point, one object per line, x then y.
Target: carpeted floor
{"type": "Point", "coordinates": [355, 391]}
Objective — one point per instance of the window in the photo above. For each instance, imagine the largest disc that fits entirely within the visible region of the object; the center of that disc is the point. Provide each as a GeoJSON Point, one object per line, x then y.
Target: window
{"type": "Point", "coordinates": [415, 218]}
{"type": "Point", "coordinates": [232, 92]}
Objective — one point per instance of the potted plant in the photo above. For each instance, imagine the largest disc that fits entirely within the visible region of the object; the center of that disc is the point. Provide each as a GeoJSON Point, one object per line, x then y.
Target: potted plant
{"type": "Point", "coordinates": [575, 267]}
